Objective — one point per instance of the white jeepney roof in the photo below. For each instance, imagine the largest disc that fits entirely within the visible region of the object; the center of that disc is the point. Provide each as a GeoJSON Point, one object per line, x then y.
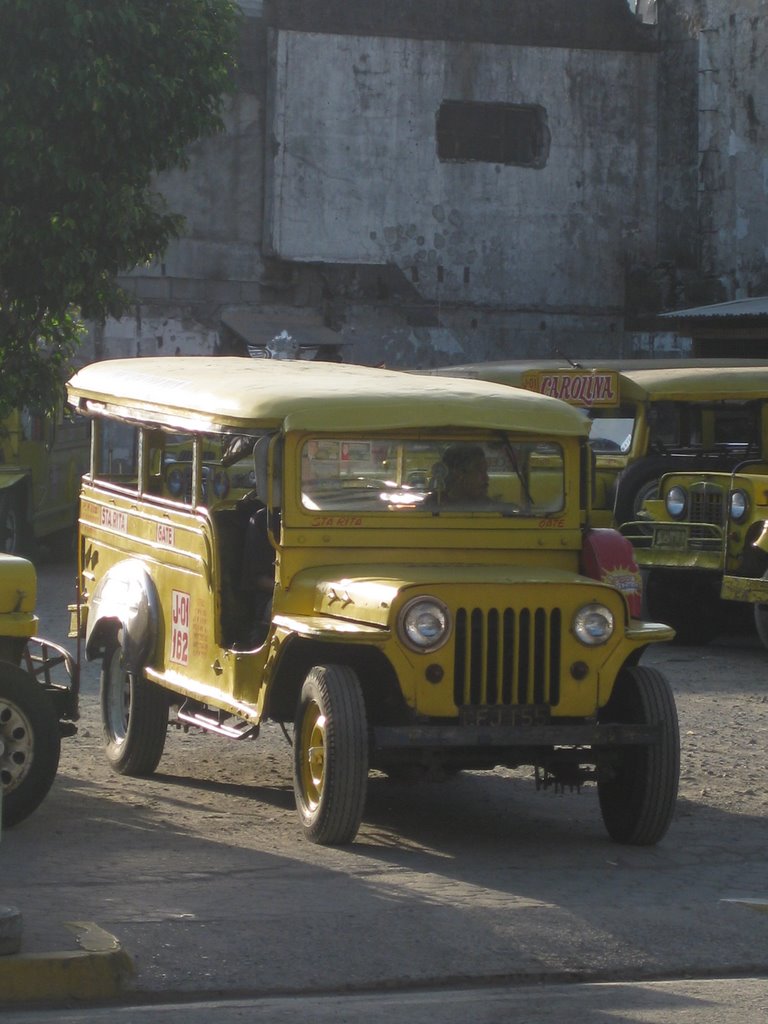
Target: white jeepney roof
{"type": "Point", "coordinates": [238, 394]}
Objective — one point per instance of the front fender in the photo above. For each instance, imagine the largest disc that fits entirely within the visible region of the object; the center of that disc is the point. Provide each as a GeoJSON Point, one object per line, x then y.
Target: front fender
{"type": "Point", "coordinates": [125, 598]}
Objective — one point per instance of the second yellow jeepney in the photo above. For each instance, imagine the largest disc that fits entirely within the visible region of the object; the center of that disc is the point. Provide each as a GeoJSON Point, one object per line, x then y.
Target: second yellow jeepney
{"type": "Point", "coordinates": [42, 457]}
{"type": "Point", "coordinates": [648, 417]}
{"type": "Point", "coordinates": [402, 568]}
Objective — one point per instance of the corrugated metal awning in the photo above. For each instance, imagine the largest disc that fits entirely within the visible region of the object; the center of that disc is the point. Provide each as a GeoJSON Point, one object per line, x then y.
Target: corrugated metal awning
{"type": "Point", "coordinates": [753, 307]}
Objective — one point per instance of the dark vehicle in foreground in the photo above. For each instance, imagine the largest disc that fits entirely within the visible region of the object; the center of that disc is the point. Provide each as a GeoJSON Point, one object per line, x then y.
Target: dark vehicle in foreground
{"type": "Point", "coordinates": [38, 695]}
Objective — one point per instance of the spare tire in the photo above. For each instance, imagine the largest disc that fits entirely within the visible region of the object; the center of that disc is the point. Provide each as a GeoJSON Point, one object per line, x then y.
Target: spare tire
{"type": "Point", "coordinates": [637, 483]}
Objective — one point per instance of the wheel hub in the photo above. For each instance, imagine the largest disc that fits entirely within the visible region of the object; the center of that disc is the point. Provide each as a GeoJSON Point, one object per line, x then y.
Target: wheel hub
{"type": "Point", "coordinates": [316, 757]}
{"type": "Point", "coordinates": [16, 746]}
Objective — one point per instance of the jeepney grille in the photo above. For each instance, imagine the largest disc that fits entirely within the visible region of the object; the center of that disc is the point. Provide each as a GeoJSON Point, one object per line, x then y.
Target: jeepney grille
{"type": "Point", "coordinates": [507, 656]}
{"type": "Point", "coordinates": [706, 506]}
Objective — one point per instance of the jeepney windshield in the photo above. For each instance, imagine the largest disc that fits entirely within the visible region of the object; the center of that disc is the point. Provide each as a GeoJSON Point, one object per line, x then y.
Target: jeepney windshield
{"type": "Point", "coordinates": [612, 429]}
{"type": "Point", "coordinates": [395, 475]}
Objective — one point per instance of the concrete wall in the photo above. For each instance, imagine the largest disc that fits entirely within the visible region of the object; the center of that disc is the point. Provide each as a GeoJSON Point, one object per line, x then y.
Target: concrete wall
{"type": "Point", "coordinates": [733, 131]}
{"type": "Point", "coordinates": [356, 176]}
{"type": "Point", "coordinates": [217, 262]}
{"type": "Point", "coordinates": [325, 191]}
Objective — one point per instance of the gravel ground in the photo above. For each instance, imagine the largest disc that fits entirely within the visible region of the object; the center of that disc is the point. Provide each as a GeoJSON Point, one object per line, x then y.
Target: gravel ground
{"type": "Point", "coordinates": [203, 875]}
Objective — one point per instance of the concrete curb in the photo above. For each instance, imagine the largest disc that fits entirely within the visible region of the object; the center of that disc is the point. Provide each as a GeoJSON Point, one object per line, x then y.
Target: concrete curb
{"type": "Point", "coordinates": [99, 970]}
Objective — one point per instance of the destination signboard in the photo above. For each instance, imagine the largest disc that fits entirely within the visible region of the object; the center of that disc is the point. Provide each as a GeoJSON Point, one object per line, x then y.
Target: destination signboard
{"type": "Point", "coordinates": [587, 388]}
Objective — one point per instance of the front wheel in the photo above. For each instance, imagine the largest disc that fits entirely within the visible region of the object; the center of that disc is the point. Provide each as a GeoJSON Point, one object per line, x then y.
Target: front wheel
{"type": "Point", "coordinates": [134, 716]}
{"type": "Point", "coordinates": [30, 743]}
{"type": "Point", "coordinates": [637, 785]}
{"type": "Point", "coordinates": [330, 755]}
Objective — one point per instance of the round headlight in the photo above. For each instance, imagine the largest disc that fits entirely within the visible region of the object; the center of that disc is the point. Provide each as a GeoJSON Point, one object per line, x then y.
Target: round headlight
{"type": "Point", "coordinates": [739, 505]}
{"type": "Point", "coordinates": [424, 624]}
{"type": "Point", "coordinates": [175, 480]}
{"type": "Point", "coordinates": [593, 624]}
{"type": "Point", "coordinates": [676, 502]}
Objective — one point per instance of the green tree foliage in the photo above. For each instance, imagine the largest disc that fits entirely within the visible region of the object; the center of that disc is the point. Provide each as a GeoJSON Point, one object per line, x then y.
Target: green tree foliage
{"type": "Point", "coordinates": [96, 98]}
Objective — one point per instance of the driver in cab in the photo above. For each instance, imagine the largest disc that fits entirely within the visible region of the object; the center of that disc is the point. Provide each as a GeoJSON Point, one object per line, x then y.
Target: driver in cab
{"type": "Point", "coordinates": [460, 479]}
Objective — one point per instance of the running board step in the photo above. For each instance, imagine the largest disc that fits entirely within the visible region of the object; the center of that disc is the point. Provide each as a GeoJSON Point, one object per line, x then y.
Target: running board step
{"type": "Point", "coordinates": [241, 731]}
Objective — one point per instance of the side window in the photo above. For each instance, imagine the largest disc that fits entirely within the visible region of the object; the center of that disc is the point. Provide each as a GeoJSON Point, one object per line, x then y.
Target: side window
{"type": "Point", "coordinates": [612, 429]}
{"type": "Point", "coordinates": [664, 419]}
{"type": "Point", "coordinates": [116, 453]}
{"type": "Point", "coordinates": [169, 460]}
{"type": "Point", "coordinates": [736, 423]}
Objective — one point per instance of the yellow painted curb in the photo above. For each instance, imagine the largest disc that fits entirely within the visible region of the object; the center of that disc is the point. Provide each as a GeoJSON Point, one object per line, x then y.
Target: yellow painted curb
{"type": "Point", "coordinates": [97, 971]}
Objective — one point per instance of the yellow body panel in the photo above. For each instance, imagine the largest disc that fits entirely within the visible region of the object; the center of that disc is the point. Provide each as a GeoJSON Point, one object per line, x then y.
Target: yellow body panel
{"type": "Point", "coordinates": [358, 540]}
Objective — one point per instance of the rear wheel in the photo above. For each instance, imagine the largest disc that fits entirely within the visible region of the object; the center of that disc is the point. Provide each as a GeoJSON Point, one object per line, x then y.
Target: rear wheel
{"type": "Point", "coordinates": [637, 785]}
{"type": "Point", "coordinates": [30, 743]}
{"type": "Point", "coordinates": [330, 750]}
{"type": "Point", "coordinates": [134, 716]}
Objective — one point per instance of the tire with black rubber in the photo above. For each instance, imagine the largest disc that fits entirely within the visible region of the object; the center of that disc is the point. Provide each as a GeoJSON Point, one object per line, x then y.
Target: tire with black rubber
{"type": "Point", "coordinates": [134, 716]}
{"type": "Point", "coordinates": [330, 755]}
{"type": "Point", "coordinates": [637, 483]}
{"type": "Point", "coordinates": [637, 784]}
{"type": "Point", "coordinates": [30, 743]}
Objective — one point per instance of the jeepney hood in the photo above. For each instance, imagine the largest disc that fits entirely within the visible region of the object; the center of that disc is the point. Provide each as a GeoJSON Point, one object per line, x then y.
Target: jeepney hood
{"type": "Point", "coordinates": [18, 585]}
{"type": "Point", "coordinates": [368, 595]}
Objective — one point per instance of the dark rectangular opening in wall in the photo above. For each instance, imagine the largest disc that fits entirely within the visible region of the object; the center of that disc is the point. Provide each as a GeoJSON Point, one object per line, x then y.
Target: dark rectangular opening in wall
{"type": "Point", "coordinates": [496, 133]}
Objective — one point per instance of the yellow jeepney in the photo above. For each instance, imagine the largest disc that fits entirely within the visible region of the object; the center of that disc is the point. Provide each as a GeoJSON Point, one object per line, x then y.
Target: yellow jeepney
{"type": "Point", "coordinates": [702, 539]}
{"type": "Point", "coordinates": [648, 417]}
{"type": "Point", "coordinates": [400, 567]}
{"type": "Point", "coordinates": [42, 458]}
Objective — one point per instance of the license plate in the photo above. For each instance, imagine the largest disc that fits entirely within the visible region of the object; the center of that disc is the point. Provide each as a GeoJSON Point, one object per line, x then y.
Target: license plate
{"type": "Point", "coordinates": [519, 715]}
{"type": "Point", "coordinates": [670, 537]}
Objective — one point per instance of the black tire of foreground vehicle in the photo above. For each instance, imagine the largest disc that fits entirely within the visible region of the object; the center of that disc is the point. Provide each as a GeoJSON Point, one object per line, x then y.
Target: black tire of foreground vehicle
{"type": "Point", "coordinates": [637, 785]}
{"type": "Point", "coordinates": [330, 755]}
{"type": "Point", "coordinates": [30, 743]}
{"type": "Point", "coordinates": [134, 716]}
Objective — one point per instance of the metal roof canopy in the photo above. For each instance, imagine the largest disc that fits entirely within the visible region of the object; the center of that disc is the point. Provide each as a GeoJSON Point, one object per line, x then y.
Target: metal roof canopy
{"type": "Point", "coordinates": [753, 307]}
{"type": "Point", "coordinates": [236, 394]}
{"type": "Point", "coordinates": [739, 327]}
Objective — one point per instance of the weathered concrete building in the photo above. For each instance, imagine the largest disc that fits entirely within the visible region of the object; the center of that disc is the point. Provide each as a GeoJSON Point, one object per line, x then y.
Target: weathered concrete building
{"type": "Point", "coordinates": [441, 182]}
